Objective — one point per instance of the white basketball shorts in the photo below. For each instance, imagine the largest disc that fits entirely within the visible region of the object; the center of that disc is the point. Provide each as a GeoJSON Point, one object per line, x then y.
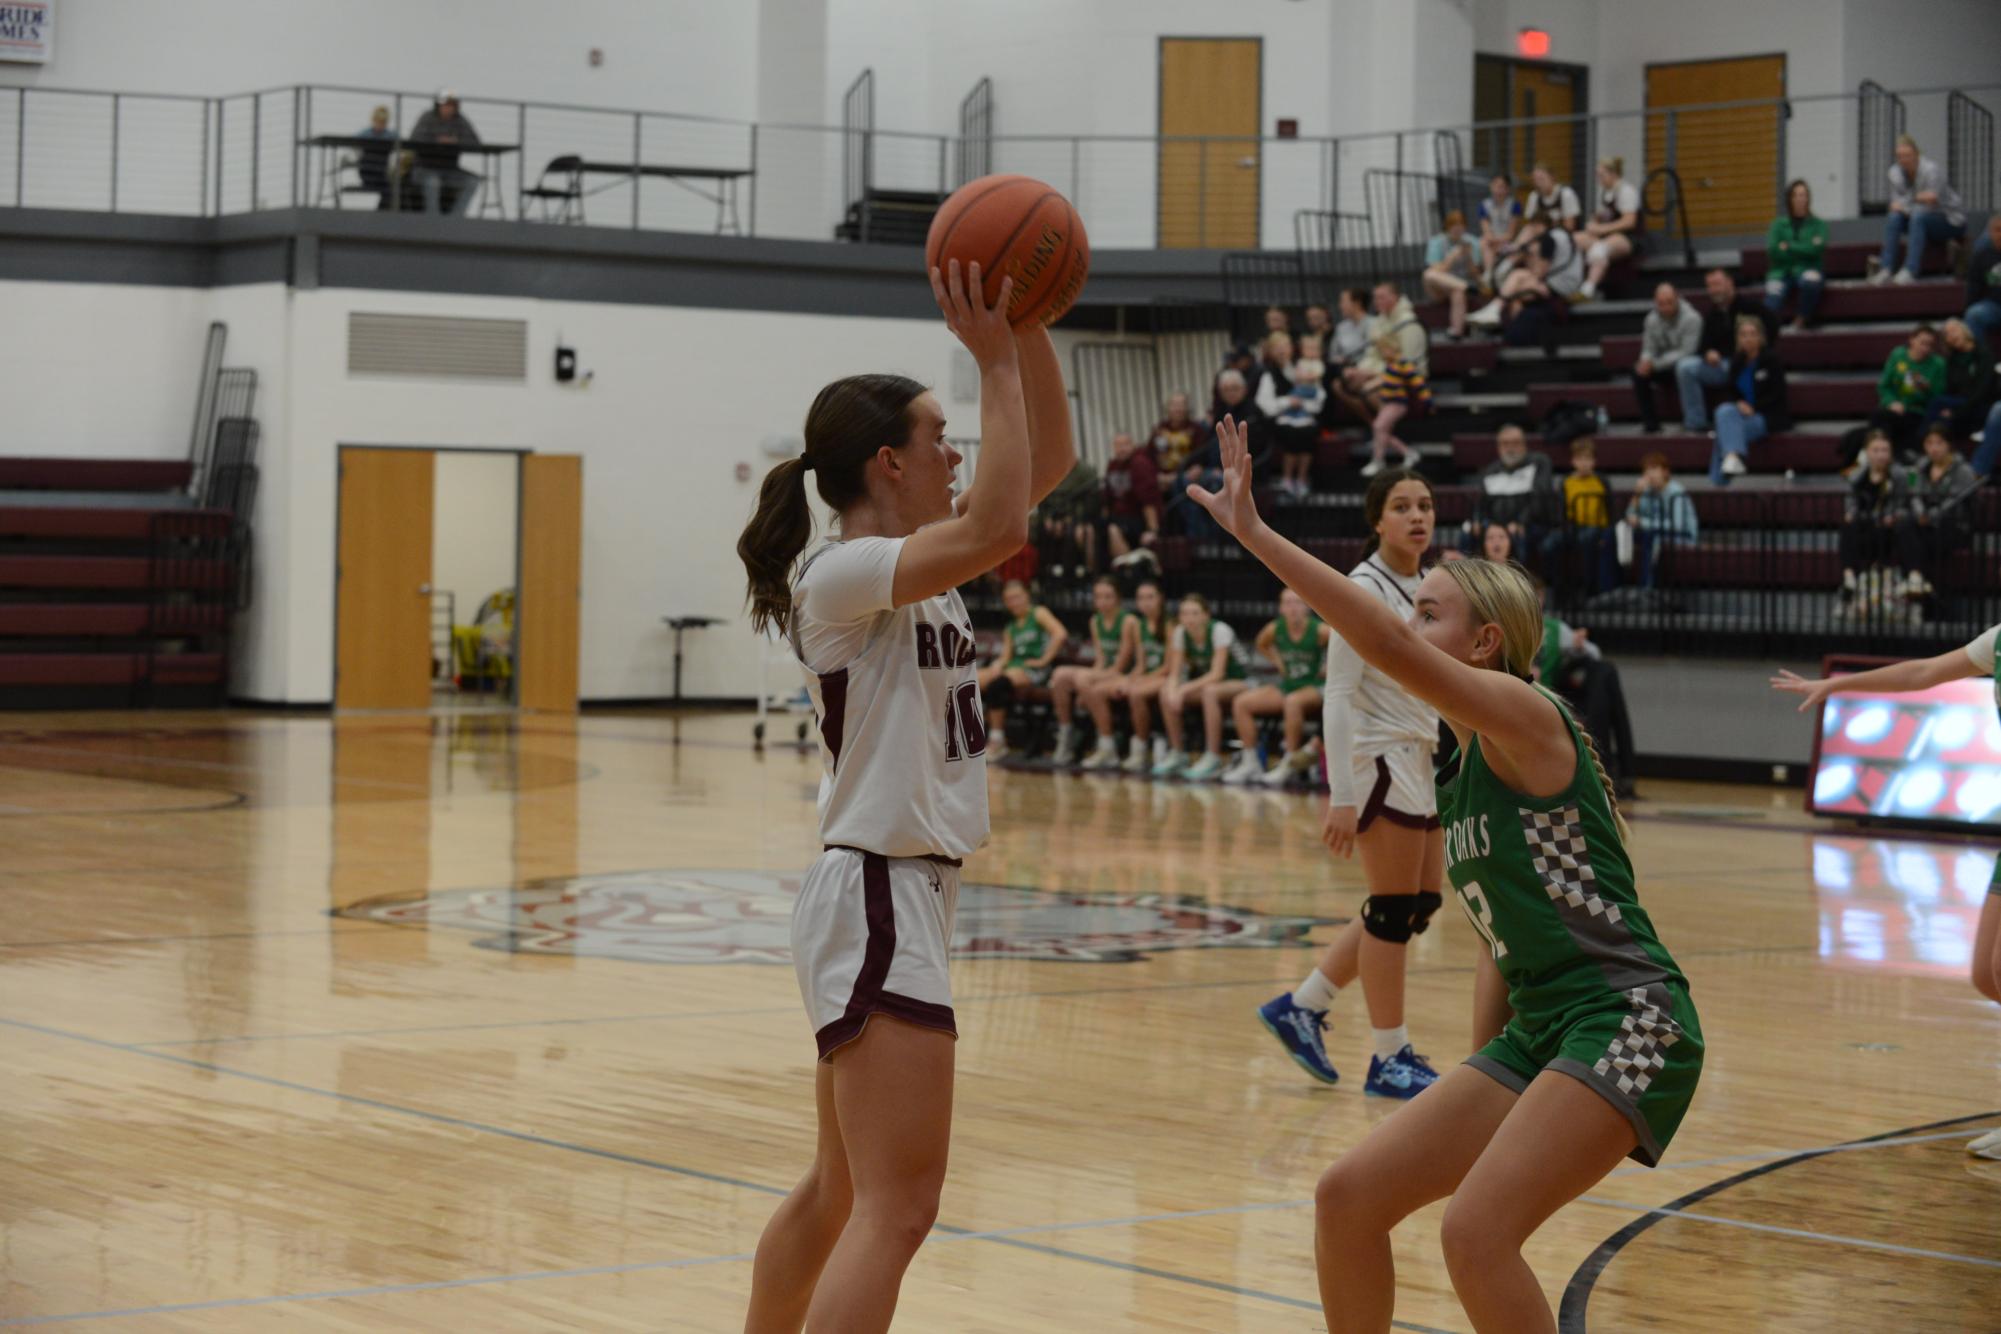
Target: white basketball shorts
{"type": "Point", "coordinates": [1396, 784]}
{"type": "Point", "coordinates": [871, 935]}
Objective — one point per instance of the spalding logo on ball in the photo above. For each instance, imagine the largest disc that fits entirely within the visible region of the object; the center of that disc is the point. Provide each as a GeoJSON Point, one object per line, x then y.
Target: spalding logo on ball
{"type": "Point", "coordinates": [1014, 227]}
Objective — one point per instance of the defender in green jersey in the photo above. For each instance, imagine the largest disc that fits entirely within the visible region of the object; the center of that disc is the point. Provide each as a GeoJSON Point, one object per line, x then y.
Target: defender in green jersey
{"type": "Point", "coordinates": [1976, 659]}
{"type": "Point", "coordinates": [1603, 1049]}
{"type": "Point", "coordinates": [1114, 635]}
{"type": "Point", "coordinates": [1029, 645]}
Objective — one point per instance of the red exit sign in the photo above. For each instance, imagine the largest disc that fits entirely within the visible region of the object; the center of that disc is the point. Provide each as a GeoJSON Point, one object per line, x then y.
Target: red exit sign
{"type": "Point", "coordinates": [1532, 42]}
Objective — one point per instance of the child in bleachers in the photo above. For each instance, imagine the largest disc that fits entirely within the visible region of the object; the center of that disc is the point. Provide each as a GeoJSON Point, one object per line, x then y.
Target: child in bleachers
{"type": "Point", "coordinates": [1400, 391]}
{"type": "Point", "coordinates": [1587, 515]}
{"type": "Point", "coordinates": [1297, 416]}
{"type": "Point", "coordinates": [1660, 513]}
{"type": "Point", "coordinates": [1031, 642]}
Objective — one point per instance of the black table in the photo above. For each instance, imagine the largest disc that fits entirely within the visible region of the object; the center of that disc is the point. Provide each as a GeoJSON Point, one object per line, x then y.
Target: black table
{"type": "Point", "coordinates": [723, 196]}
{"type": "Point", "coordinates": [326, 179]}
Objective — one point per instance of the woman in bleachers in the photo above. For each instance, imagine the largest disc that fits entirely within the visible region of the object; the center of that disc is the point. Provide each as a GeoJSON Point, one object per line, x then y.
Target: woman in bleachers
{"type": "Point", "coordinates": [1450, 270]}
{"type": "Point", "coordinates": [1969, 382]}
{"type": "Point", "coordinates": [1757, 406]}
{"type": "Point", "coordinates": [1497, 544]}
{"type": "Point", "coordinates": [1614, 226]}
{"type": "Point", "coordinates": [1795, 246]}
{"type": "Point", "coordinates": [1295, 642]}
{"type": "Point", "coordinates": [1114, 649]}
{"type": "Point", "coordinates": [1500, 220]}
{"type": "Point", "coordinates": [1877, 498]}
{"type": "Point", "coordinates": [1139, 688]}
{"type": "Point", "coordinates": [1202, 649]}
{"type": "Point", "coordinates": [1913, 375]}
{"type": "Point", "coordinates": [1031, 642]}
{"type": "Point", "coordinates": [1937, 524]}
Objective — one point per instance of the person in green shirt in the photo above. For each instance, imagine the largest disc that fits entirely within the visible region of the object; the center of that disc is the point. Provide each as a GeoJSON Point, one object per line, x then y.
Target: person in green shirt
{"type": "Point", "coordinates": [1202, 650]}
{"type": "Point", "coordinates": [1030, 643]}
{"type": "Point", "coordinates": [1295, 642]}
{"type": "Point", "coordinates": [1592, 1047]}
{"type": "Point", "coordinates": [1795, 246]}
{"type": "Point", "coordinates": [1913, 376]}
{"type": "Point", "coordinates": [1977, 659]}
{"type": "Point", "coordinates": [1114, 651]}
{"type": "Point", "coordinates": [1139, 687]}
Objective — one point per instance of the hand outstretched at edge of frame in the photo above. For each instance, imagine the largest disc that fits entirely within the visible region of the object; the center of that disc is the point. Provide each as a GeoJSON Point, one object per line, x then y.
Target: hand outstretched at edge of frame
{"type": "Point", "coordinates": [1234, 507]}
{"type": "Point", "coordinates": [1793, 683]}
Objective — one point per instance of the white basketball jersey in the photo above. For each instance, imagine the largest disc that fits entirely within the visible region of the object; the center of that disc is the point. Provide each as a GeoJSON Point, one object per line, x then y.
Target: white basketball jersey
{"type": "Point", "coordinates": [903, 733]}
{"type": "Point", "coordinates": [1385, 713]}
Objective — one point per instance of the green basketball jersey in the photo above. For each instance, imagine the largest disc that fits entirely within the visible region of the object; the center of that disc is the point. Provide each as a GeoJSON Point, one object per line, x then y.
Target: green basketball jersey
{"type": "Point", "coordinates": [1300, 660]}
{"type": "Point", "coordinates": [1547, 882]}
{"type": "Point", "coordinates": [1109, 635]}
{"type": "Point", "coordinates": [1152, 647]}
{"type": "Point", "coordinates": [1026, 639]}
{"type": "Point", "coordinates": [1199, 653]}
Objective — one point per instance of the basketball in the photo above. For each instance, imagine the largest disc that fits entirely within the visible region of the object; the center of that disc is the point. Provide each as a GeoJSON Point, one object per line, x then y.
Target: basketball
{"type": "Point", "coordinates": [1016, 227]}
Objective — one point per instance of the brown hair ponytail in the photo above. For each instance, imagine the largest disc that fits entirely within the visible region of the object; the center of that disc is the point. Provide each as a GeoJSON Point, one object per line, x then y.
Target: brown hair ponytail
{"type": "Point", "coordinates": [849, 421]}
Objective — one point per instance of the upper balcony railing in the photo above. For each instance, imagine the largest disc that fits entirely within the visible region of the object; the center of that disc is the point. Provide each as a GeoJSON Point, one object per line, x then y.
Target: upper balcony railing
{"type": "Point", "coordinates": [163, 154]}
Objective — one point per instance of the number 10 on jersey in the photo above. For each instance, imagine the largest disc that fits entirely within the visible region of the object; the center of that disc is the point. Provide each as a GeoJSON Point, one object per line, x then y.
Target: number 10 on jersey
{"type": "Point", "coordinates": [965, 727]}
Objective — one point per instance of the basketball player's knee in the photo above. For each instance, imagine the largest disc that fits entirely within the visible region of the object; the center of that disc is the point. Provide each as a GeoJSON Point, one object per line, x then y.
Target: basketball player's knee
{"type": "Point", "coordinates": [827, 1196]}
{"type": "Point", "coordinates": [899, 1219]}
{"type": "Point", "coordinates": [1351, 1197]}
{"type": "Point", "coordinates": [1471, 1241]}
{"type": "Point", "coordinates": [1986, 981]}
{"type": "Point", "coordinates": [1398, 917]}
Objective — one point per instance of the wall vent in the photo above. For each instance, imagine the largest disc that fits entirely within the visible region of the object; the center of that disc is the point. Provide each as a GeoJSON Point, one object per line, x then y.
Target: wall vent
{"type": "Point", "coordinates": [437, 346]}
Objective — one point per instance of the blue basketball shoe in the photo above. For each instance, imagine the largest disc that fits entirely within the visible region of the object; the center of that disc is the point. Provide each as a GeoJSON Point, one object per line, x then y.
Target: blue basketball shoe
{"type": "Point", "coordinates": [1299, 1030]}
{"type": "Point", "coordinates": [1404, 1075]}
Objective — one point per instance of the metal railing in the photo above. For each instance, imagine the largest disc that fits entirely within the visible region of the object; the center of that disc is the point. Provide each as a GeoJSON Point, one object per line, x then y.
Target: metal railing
{"type": "Point", "coordinates": [80, 149]}
{"type": "Point", "coordinates": [1969, 150]}
{"type": "Point", "coordinates": [974, 153]}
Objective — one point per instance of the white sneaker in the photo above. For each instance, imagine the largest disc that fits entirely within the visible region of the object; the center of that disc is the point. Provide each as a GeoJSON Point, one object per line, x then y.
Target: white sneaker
{"type": "Point", "coordinates": [996, 749]}
{"type": "Point", "coordinates": [1916, 585]}
{"type": "Point", "coordinates": [1176, 761]}
{"type": "Point", "coordinates": [1588, 292]}
{"type": "Point", "coordinates": [1104, 755]}
{"type": "Point", "coordinates": [1878, 275]}
{"type": "Point", "coordinates": [1279, 774]}
{"type": "Point", "coordinates": [1987, 1146]}
{"type": "Point", "coordinates": [1137, 762]}
{"type": "Point", "coordinates": [1066, 747]}
{"type": "Point", "coordinates": [1372, 467]}
{"type": "Point", "coordinates": [1205, 768]}
{"type": "Point", "coordinates": [1733, 465]}
{"type": "Point", "coordinates": [1904, 278]}
{"type": "Point", "coordinates": [1487, 314]}
{"type": "Point", "coordinates": [1160, 749]}
{"type": "Point", "coordinates": [1245, 770]}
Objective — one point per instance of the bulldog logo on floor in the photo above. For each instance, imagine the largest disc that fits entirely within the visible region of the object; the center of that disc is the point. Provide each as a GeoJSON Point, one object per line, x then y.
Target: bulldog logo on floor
{"type": "Point", "coordinates": [745, 917]}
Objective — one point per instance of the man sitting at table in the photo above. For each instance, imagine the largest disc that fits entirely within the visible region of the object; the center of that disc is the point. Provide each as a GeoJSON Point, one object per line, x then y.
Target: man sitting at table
{"type": "Point", "coordinates": [372, 161]}
{"type": "Point", "coordinates": [437, 138]}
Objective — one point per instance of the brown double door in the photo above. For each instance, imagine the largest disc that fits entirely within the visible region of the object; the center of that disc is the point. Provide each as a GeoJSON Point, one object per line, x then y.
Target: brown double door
{"type": "Point", "coordinates": [1727, 159]}
{"type": "Point", "coordinates": [383, 562]}
{"type": "Point", "coordinates": [1210, 191]}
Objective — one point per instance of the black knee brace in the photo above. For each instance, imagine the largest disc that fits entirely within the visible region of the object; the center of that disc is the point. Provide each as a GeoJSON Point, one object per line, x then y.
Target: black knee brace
{"type": "Point", "coordinates": [1398, 917]}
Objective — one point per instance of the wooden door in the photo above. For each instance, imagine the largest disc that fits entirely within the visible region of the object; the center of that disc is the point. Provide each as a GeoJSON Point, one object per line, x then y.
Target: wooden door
{"type": "Point", "coordinates": [1541, 91]}
{"type": "Point", "coordinates": [1209, 192]}
{"type": "Point", "coordinates": [552, 539]}
{"type": "Point", "coordinates": [1728, 160]}
{"type": "Point", "coordinates": [382, 625]}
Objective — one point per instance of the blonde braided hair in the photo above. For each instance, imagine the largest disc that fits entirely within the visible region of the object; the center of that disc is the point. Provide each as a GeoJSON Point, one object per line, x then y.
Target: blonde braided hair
{"type": "Point", "coordinates": [1506, 596]}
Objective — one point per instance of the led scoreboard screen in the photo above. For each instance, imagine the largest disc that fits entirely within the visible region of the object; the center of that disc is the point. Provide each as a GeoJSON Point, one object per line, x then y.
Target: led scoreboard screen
{"type": "Point", "coordinates": [1931, 757]}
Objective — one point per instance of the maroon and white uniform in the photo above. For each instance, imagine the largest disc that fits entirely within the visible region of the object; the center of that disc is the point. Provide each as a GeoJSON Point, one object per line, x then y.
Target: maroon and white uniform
{"type": "Point", "coordinates": [1379, 737]}
{"type": "Point", "coordinates": [903, 795]}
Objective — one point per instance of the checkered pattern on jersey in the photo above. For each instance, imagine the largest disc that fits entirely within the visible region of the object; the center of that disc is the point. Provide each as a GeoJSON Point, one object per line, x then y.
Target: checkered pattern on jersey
{"type": "Point", "coordinates": [1635, 1056]}
{"type": "Point", "coordinates": [1558, 853]}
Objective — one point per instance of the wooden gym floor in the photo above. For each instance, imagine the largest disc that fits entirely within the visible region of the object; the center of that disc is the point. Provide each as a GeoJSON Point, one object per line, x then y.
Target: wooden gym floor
{"type": "Point", "coordinates": [476, 1023]}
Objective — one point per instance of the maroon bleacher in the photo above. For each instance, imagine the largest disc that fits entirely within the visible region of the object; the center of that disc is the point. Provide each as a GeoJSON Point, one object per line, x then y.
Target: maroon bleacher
{"type": "Point", "coordinates": [55, 474]}
{"type": "Point", "coordinates": [1847, 396]}
{"type": "Point", "coordinates": [1810, 350]}
{"type": "Point", "coordinates": [1844, 259]}
{"type": "Point", "coordinates": [1802, 451]}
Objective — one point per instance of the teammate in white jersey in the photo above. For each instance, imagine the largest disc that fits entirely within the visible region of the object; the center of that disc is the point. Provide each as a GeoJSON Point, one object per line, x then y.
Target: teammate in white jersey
{"type": "Point", "coordinates": [1379, 741]}
{"type": "Point", "coordinates": [876, 620]}
{"type": "Point", "coordinates": [1978, 658]}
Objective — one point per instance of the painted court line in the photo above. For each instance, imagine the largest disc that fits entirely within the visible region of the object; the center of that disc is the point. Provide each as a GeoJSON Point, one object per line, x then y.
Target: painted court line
{"type": "Point", "coordinates": [1801, 1233]}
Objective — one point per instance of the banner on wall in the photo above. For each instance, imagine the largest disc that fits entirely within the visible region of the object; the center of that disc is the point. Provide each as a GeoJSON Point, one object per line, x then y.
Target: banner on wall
{"type": "Point", "coordinates": [27, 31]}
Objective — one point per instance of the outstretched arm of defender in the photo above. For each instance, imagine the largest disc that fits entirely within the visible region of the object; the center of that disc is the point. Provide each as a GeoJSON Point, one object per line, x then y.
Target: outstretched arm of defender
{"type": "Point", "coordinates": [1896, 679]}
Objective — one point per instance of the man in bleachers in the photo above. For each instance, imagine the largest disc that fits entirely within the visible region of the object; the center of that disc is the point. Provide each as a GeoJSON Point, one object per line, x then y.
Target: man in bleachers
{"type": "Point", "coordinates": [1710, 368]}
{"type": "Point", "coordinates": [1393, 316]}
{"type": "Point", "coordinates": [438, 136]}
{"type": "Point", "coordinates": [1177, 436]}
{"type": "Point", "coordinates": [1672, 335]}
{"type": "Point", "coordinates": [1923, 208]}
{"type": "Point", "coordinates": [1983, 285]}
{"type": "Point", "coordinates": [1516, 492]}
{"type": "Point", "coordinates": [371, 163]}
{"type": "Point", "coordinates": [1131, 519]}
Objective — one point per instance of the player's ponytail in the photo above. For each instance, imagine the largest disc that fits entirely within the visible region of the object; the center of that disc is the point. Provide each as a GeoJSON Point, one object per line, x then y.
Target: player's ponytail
{"type": "Point", "coordinates": [849, 421]}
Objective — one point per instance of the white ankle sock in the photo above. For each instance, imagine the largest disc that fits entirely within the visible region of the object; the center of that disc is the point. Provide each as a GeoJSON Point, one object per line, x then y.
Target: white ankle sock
{"type": "Point", "coordinates": [1390, 1041]}
{"type": "Point", "coordinates": [1315, 993]}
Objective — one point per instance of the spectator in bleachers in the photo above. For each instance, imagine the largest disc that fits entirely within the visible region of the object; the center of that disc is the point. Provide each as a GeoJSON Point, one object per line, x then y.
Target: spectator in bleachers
{"type": "Point", "coordinates": [1671, 335]}
{"type": "Point", "coordinates": [1913, 375]}
{"type": "Point", "coordinates": [1392, 314]}
{"type": "Point", "coordinates": [1711, 369]}
{"type": "Point", "coordinates": [1554, 267]}
{"type": "Point", "coordinates": [1295, 642]}
{"type": "Point", "coordinates": [1795, 246]}
{"type": "Point", "coordinates": [1924, 208]}
{"type": "Point", "coordinates": [1177, 437]}
{"type": "Point", "coordinates": [1969, 382]}
{"type": "Point", "coordinates": [1575, 668]}
{"type": "Point", "coordinates": [1130, 522]}
{"type": "Point", "coordinates": [1399, 392]}
{"type": "Point", "coordinates": [1450, 269]}
{"type": "Point", "coordinates": [1986, 461]}
{"type": "Point", "coordinates": [437, 138]}
{"type": "Point", "coordinates": [1233, 398]}
{"type": "Point", "coordinates": [1031, 642]}
{"type": "Point", "coordinates": [1550, 204]}
{"type": "Point", "coordinates": [1140, 687]}
{"type": "Point", "coordinates": [1066, 520]}
{"type": "Point", "coordinates": [1983, 284]}
{"type": "Point", "coordinates": [1277, 322]}
{"type": "Point", "coordinates": [1114, 635]}
{"type": "Point", "coordinates": [1614, 226]}
{"type": "Point", "coordinates": [1660, 515]}
{"type": "Point", "coordinates": [1351, 335]}
{"type": "Point", "coordinates": [1587, 516]}
{"type": "Point", "coordinates": [1515, 491]}
{"type": "Point", "coordinates": [1877, 499]}
{"type": "Point", "coordinates": [1202, 649]}
{"type": "Point", "coordinates": [1497, 544]}
{"type": "Point", "coordinates": [371, 162]}
{"type": "Point", "coordinates": [1938, 517]}
{"type": "Point", "coordinates": [1295, 416]}
{"type": "Point", "coordinates": [1758, 404]}
{"type": "Point", "coordinates": [1319, 323]}
{"type": "Point", "coordinates": [1500, 220]}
